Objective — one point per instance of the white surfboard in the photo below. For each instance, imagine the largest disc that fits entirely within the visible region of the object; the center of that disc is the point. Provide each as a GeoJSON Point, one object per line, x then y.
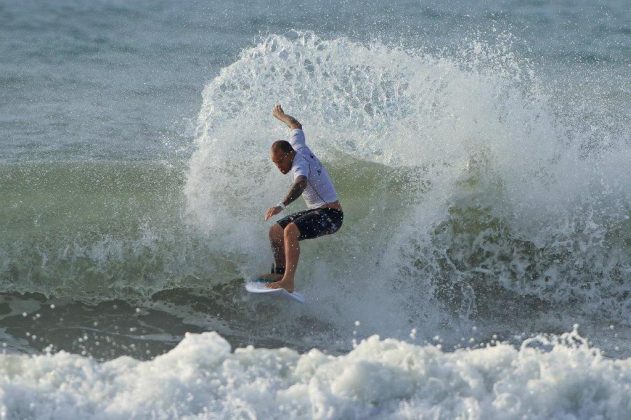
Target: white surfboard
{"type": "Point", "coordinates": [258, 287]}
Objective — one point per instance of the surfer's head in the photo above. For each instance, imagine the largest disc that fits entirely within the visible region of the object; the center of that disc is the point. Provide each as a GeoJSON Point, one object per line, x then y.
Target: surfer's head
{"type": "Point", "coordinates": [282, 155]}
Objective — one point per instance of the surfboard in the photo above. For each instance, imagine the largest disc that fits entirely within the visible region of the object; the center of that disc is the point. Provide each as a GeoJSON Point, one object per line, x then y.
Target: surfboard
{"type": "Point", "coordinates": [257, 286]}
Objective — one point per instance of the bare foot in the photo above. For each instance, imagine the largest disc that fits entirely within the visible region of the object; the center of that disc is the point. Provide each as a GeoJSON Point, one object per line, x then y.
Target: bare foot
{"type": "Point", "coordinates": [287, 284]}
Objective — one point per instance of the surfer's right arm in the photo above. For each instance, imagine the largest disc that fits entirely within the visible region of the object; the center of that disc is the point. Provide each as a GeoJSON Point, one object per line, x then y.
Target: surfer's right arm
{"type": "Point", "coordinates": [291, 122]}
{"type": "Point", "coordinates": [296, 190]}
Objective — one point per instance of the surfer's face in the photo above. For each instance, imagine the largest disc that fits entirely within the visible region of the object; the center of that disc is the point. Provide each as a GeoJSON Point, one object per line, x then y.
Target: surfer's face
{"type": "Point", "coordinates": [282, 160]}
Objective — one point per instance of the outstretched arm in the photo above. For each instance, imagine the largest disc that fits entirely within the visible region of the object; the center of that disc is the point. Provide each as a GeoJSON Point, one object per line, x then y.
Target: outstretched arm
{"type": "Point", "coordinates": [287, 119]}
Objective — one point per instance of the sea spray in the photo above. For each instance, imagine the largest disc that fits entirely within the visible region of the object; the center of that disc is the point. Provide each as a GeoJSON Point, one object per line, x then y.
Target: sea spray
{"type": "Point", "coordinates": [470, 198]}
{"type": "Point", "coordinates": [458, 182]}
{"type": "Point", "coordinates": [545, 377]}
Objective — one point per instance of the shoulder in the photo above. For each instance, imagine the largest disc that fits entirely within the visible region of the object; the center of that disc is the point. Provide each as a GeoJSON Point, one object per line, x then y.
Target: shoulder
{"type": "Point", "coordinates": [297, 138]}
{"type": "Point", "coordinates": [299, 160]}
{"type": "Point", "coordinates": [300, 165]}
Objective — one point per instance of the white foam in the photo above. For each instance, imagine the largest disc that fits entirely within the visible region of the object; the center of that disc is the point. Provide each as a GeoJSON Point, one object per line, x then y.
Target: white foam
{"type": "Point", "coordinates": [559, 378]}
{"type": "Point", "coordinates": [480, 187]}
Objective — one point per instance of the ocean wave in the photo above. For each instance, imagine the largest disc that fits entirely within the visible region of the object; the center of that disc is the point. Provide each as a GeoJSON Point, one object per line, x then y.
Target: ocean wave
{"type": "Point", "coordinates": [461, 186]}
{"type": "Point", "coordinates": [459, 179]}
{"type": "Point", "coordinates": [545, 377]}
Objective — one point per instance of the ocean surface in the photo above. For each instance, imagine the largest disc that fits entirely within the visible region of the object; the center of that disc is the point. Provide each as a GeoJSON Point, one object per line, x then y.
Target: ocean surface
{"type": "Point", "coordinates": [481, 152]}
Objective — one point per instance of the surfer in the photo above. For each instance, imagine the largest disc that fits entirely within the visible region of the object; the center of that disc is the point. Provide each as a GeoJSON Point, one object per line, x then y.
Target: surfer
{"type": "Point", "coordinates": [311, 180]}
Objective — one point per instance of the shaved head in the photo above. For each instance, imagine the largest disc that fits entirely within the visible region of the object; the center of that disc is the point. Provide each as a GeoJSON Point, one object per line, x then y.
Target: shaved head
{"type": "Point", "coordinates": [282, 155]}
{"type": "Point", "coordinates": [281, 146]}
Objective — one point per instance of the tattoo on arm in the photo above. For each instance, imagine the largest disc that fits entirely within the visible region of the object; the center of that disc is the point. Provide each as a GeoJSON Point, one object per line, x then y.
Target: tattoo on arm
{"type": "Point", "coordinates": [296, 190]}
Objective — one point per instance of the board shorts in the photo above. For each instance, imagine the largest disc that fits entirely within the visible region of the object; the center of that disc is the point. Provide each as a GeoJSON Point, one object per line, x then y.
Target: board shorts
{"type": "Point", "coordinates": [314, 222]}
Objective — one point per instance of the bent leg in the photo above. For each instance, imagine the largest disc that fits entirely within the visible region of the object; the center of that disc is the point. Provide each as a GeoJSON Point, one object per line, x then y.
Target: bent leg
{"type": "Point", "coordinates": [292, 254]}
{"type": "Point", "coordinates": [277, 239]}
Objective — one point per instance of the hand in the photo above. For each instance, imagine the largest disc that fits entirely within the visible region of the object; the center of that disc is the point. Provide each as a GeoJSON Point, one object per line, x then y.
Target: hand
{"type": "Point", "coordinates": [287, 119]}
{"type": "Point", "coordinates": [272, 211]}
{"type": "Point", "coordinates": [278, 112]}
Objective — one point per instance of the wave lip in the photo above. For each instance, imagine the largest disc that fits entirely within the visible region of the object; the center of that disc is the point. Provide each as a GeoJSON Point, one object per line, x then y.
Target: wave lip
{"type": "Point", "coordinates": [556, 377]}
{"type": "Point", "coordinates": [461, 176]}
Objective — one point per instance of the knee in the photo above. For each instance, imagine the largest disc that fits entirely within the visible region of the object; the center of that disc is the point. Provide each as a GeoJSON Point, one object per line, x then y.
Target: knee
{"type": "Point", "coordinates": [276, 232]}
{"type": "Point", "coordinates": [291, 231]}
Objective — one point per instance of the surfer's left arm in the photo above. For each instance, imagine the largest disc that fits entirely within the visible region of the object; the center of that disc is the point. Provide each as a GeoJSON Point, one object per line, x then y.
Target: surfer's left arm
{"type": "Point", "coordinates": [296, 190]}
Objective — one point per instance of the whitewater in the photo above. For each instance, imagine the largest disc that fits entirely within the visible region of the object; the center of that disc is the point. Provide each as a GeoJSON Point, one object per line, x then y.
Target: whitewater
{"type": "Point", "coordinates": [484, 265]}
{"type": "Point", "coordinates": [203, 378]}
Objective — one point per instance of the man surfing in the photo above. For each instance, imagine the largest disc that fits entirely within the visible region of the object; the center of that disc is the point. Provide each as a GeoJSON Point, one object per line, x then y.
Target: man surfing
{"type": "Point", "coordinates": [324, 215]}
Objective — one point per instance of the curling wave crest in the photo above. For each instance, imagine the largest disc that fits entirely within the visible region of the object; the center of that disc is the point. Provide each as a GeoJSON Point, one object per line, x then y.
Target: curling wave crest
{"type": "Point", "coordinates": [462, 183]}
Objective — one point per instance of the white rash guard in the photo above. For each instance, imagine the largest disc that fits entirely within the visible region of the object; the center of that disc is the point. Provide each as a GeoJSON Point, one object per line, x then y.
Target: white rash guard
{"type": "Point", "coordinates": [320, 189]}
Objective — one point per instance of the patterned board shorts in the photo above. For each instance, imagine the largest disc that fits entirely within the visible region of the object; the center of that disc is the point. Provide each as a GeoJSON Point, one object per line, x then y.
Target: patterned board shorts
{"type": "Point", "coordinates": [315, 222]}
